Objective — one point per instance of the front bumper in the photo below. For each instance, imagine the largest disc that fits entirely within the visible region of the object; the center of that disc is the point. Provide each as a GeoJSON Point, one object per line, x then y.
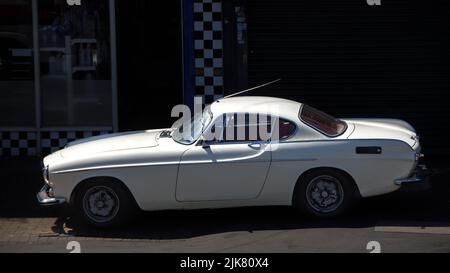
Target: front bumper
{"type": "Point", "coordinates": [417, 181]}
{"type": "Point", "coordinates": [45, 198]}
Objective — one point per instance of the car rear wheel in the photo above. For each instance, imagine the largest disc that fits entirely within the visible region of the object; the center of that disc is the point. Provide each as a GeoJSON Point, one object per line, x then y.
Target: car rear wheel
{"type": "Point", "coordinates": [103, 203]}
{"type": "Point", "coordinates": [325, 193]}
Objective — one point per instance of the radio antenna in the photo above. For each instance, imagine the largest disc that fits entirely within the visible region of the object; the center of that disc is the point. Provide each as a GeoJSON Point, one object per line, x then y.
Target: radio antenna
{"type": "Point", "coordinates": [251, 89]}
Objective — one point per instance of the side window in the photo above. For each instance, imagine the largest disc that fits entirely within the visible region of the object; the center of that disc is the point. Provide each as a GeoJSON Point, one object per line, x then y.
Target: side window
{"type": "Point", "coordinates": [286, 129]}
{"type": "Point", "coordinates": [237, 127]}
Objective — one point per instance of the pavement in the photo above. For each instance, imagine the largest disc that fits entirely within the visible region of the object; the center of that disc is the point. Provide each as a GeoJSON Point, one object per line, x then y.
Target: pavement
{"type": "Point", "coordinates": [398, 222]}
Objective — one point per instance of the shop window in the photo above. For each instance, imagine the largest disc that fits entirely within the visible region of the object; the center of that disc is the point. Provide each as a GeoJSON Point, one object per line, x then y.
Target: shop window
{"type": "Point", "coordinates": [75, 65]}
{"type": "Point", "coordinates": [17, 92]}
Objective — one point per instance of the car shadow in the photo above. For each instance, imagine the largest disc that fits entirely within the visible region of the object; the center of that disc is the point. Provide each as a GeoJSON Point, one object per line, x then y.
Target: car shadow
{"type": "Point", "coordinates": [410, 209]}
{"type": "Point", "coordinates": [171, 225]}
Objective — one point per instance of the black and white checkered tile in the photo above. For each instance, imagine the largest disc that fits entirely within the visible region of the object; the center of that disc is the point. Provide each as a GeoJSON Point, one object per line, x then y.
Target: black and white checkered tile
{"type": "Point", "coordinates": [13, 144]}
{"type": "Point", "coordinates": [54, 141]}
{"type": "Point", "coordinates": [18, 144]}
{"type": "Point", "coordinates": [208, 46]}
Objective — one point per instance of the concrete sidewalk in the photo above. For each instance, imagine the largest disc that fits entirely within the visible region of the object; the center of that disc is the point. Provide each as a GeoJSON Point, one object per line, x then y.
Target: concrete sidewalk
{"type": "Point", "coordinates": [252, 230]}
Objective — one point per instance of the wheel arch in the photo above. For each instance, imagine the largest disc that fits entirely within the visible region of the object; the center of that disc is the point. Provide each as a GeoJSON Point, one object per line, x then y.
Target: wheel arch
{"type": "Point", "coordinates": [104, 178]}
{"type": "Point", "coordinates": [319, 169]}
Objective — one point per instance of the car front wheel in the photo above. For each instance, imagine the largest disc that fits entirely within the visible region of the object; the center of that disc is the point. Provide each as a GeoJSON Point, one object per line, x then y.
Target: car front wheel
{"type": "Point", "coordinates": [325, 193]}
{"type": "Point", "coordinates": [104, 204]}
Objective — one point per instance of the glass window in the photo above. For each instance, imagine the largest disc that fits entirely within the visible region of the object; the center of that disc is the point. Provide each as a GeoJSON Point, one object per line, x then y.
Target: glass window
{"type": "Point", "coordinates": [285, 129]}
{"type": "Point", "coordinates": [190, 132]}
{"type": "Point", "coordinates": [17, 94]}
{"type": "Point", "coordinates": [322, 122]}
{"type": "Point", "coordinates": [246, 127]}
{"type": "Point", "coordinates": [75, 63]}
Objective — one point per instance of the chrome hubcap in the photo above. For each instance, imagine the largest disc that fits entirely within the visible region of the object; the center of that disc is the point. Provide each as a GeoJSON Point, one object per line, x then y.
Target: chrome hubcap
{"type": "Point", "coordinates": [324, 194]}
{"type": "Point", "coordinates": [101, 204]}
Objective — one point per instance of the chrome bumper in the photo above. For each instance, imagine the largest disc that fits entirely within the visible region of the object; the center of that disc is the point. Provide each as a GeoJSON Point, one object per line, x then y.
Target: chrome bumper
{"type": "Point", "coordinates": [418, 179]}
{"type": "Point", "coordinates": [44, 198]}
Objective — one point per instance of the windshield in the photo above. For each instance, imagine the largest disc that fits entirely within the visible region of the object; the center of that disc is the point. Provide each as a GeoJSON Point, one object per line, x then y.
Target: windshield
{"type": "Point", "coordinates": [188, 132]}
{"type": "Point", "coordinates": [322, 122]}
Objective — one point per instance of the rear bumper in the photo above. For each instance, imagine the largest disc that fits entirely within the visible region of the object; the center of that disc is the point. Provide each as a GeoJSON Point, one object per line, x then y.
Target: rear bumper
{"type": "Point", "coordinates": [45, 197]}
{"type": "Point", "coordinates": [418, 181]}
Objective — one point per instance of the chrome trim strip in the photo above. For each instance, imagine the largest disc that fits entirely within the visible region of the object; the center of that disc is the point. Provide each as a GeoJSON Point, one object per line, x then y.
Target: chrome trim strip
{"type": "Point", "coordinates": [418, 175]}
{"type": "Point", "coordinates": [172, 163]}
{"type": "Point", "coordinates": [400, 182]}
{"type": "Point", "coordinates": [294, 160]}
{"type": "Point", "coordinates": [119, 166]}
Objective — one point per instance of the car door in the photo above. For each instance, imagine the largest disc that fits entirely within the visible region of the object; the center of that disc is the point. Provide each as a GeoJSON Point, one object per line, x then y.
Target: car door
{"type": "Point", "coordinates": [224, 169]}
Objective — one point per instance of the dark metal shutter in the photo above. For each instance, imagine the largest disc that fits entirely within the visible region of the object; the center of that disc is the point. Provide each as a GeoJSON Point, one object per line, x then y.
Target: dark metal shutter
{"type": "Point", "coordinates": [355, 60]}
{"type": "Point", "coordinates": [149, 56]}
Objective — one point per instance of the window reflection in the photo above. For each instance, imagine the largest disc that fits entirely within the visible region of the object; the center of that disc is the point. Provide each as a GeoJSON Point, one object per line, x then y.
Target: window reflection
{"type": "Point", "coordinates": [75, 63]}
{"type": "Point", "coordinates": [17, 94]}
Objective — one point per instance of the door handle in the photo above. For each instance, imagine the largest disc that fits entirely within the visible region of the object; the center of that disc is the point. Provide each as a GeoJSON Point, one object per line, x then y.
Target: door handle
{"type": "Point", "coordinates": [255, 145]}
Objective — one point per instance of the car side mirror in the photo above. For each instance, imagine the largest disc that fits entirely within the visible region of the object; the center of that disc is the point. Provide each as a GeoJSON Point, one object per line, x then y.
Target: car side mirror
{"type": "Point", "coordinates": [202, 142]}
{"type": "Point", "coordinates": [205, 144]}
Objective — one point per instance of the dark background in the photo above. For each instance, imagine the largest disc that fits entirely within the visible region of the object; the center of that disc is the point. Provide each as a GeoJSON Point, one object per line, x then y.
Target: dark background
{"type": "Point", "coordinates": [355, 60]}
{"type": "Point", "coordinates": [149, 50]}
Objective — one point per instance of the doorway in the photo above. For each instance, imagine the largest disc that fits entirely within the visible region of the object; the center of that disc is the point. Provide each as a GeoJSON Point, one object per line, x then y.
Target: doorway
{"type": "Point", "coordinates": [149, 62]}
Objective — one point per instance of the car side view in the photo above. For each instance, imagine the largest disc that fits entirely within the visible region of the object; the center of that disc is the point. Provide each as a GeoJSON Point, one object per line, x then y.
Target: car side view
{"type": "Point", "coordinates": [310, 160]}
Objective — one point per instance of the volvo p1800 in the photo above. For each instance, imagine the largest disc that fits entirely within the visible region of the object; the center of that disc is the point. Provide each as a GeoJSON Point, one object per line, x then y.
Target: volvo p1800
{"type": "Point", "coordinates": [317, 163]}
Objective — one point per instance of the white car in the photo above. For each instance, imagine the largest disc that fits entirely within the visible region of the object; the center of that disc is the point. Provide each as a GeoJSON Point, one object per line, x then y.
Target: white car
{"type": "Point", "coordinates": [316, 163]}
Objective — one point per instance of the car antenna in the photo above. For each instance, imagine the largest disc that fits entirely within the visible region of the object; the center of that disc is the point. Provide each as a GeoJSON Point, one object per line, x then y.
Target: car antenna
{"type": "Point", "coordinates": [251, 89]}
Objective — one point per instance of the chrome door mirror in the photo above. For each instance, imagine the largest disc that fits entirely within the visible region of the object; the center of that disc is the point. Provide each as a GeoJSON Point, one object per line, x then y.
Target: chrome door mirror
{"type": "Point", "coordinates": [202, 142]}
{"type": "Point", "coordinates": [205, 144]}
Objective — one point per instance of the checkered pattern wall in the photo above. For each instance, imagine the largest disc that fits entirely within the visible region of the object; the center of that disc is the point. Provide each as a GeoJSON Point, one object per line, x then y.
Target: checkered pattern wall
{"type": "Point", "coordinates": [53, 141]}
{"type": "Point", "coordinates": [27, 143]}
{"type": "Point", "coordinates": [18, 144]}
{"type": "Point", "coordinates": [208, 46]}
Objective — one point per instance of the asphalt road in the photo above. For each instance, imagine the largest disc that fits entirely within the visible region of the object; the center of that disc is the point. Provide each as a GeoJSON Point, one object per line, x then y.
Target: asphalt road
{"type": "Point", "coordinates": [399, 222]}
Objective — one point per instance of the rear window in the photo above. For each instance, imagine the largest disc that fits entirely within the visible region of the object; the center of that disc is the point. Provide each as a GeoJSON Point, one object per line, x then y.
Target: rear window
{"type": "Point", "coordinates": [322, 122]}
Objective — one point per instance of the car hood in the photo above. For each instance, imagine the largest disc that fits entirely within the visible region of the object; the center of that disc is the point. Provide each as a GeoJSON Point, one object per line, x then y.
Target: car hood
{"type": "Point", "coordinates": [383, 129]}
{"type": "Point", "coordinates": [112, 142]}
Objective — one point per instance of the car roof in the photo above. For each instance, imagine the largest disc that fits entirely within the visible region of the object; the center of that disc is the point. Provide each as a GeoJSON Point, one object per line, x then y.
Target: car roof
{"type": "Point", "coordinates": [254, 105]}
